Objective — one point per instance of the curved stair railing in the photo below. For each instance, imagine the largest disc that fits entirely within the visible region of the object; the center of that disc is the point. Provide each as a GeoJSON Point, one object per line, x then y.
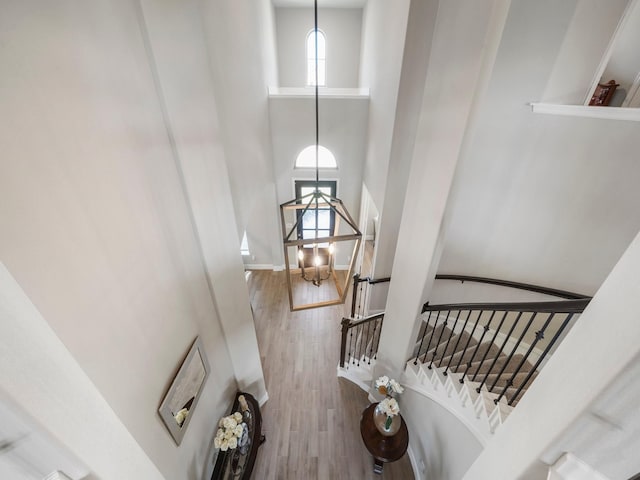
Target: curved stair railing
{"type": "Point", "coordinates": [496, 347]}
{"type": "Point", "coordinates": [493, 344]}
{"type": "Point", "coordinates": [487, 354]}
{"type": "Point", "coordinates": [475, 359]}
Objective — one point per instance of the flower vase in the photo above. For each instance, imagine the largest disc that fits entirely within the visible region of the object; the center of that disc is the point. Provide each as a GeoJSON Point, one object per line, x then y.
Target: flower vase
{"type": "Point", "coordinates": [387, 425]}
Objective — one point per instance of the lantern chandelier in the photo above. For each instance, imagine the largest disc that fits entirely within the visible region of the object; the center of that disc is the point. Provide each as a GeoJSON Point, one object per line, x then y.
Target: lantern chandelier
{"type": "Point", "coordinates": [315, 255]}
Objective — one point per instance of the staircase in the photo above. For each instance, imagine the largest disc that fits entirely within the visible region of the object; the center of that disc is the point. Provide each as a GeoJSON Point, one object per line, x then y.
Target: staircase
{"type": "Point", "coordinates": [476, 360]}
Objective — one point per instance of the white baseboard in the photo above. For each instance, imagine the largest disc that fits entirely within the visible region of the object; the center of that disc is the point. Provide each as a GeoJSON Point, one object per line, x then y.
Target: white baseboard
{"type": "Point", "coordinates": [264, 399]}
{"type": "Point", "coordinates": [258, 266]}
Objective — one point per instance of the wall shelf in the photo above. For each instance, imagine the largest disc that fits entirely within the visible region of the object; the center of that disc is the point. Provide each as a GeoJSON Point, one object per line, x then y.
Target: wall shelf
{"type": "Point", "coordinates": [609, 113]}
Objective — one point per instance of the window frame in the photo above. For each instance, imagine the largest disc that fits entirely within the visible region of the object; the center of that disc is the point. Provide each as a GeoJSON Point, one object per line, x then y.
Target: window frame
{"type": "Point", "coordinates": [310, 59]}
{"type": "Point", "coordinates": [313, 167]}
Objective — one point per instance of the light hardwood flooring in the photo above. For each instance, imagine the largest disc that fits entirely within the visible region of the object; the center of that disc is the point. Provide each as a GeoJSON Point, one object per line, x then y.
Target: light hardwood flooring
{"type": "Point", "coordinates": [312, 418]}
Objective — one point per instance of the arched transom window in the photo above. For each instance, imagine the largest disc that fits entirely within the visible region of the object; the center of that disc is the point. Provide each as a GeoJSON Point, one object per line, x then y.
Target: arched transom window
{"type": "Point", "coordinates": [307, 158]}
{"type": "Point", "coordinates": [311, 58]}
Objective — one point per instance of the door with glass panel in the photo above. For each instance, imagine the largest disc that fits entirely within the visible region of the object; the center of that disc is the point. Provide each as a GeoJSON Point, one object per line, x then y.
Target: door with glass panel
{"type": "Point", "coordinates": [316, 223]}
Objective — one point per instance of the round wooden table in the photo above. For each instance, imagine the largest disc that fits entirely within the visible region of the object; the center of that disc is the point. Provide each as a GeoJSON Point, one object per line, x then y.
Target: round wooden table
{"type": "Point", "coordinates": [384, 449]}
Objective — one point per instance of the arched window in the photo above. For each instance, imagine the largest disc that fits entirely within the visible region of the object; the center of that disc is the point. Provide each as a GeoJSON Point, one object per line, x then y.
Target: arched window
{"type": "Point", "coordinates": [311, 58]}
{"type": "Point", "coordinates": [307, 158]}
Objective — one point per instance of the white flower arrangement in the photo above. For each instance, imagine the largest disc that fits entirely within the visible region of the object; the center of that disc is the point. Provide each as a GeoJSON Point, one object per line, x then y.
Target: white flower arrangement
{"type": "Point", "coordinates": [390, 407]}
{"type": "Point", "coordinates": [230, 429]}
{"type": "Point", "coordinates": [388, 386]}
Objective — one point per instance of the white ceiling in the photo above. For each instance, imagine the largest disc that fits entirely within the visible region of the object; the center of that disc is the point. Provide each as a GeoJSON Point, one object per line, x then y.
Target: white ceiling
{"type": "Point", "coordinates": [321, 3]}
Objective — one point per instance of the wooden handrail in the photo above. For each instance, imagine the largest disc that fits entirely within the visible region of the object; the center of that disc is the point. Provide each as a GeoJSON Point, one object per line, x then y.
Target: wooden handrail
{"type": "Point", "coordinates": [561, 306]}
{"type": "Point", "coordinates": [506, 283]}
{"type": "Point", "coordinates": [349, 323]}
{"type": "Point", "coordinates": [358, 290]}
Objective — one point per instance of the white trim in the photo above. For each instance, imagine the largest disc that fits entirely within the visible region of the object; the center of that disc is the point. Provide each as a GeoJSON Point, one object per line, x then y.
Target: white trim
{"type": "Point", "coordinates": [264, 399]}
{"type": "Point", "coordinates": [278, 268]}
{"type": "Point", "coordinates": [483, 437]}
{"type": "Point", "coordinates": [352, 375]}
{"type": "Point", "coordinates": [570, 467]}
{"type": "Point", "coordinates": [632, 100]}
{"type": "Point", "coordinates": [607, 113]}
{"type": "Point", "coordinates": [417, 473]}
{"type": "Point", "coordinates": [324, 92]}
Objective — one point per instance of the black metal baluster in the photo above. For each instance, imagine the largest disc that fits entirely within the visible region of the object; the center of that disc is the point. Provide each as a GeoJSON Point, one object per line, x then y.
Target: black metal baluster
{"type": "Point", "coordinates": [513, 351]}
{"type": "Point", "coordinates": [370, 325]}
{"type": "Point", "coordinates": [433, 330]}
{"type": "Point", "coordinates": [424, 334]}
{"type": "Point", "coordinates": [539, 336]}
{"type": "Point", "coordinates": [444, 325]}
{"type": "Point", "coordinates": [360, 287]}
{"type": "Point", "coordinates": [351, 350]}
{"type": "Point", "coordinates": [484, 332]}
{"type": "Point", "coordinates": [542, 357]}
{"type": "Point", "coordinates": [453, 332]}
{"type": "Point", "coordinates": [495, 360]}
{"type": "Point", "coordinates": [360, 333]}
{"type": "Point", "coordinates": [372, 340]}
{"type": "Point", "coordinates": [464, 329]}
{"type": "Point", "coordinates": [344, 335]}
{"type": "Point", "coordinates": [484, 357]}
{"type": "Point", "coordinates": [379, 322]}
{"type": "Point", "coordinates": [354, 294]}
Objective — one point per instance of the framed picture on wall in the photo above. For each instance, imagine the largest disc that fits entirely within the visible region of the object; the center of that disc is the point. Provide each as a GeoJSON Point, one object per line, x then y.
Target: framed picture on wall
{"type": "Point", "coordinates": [182, 397]}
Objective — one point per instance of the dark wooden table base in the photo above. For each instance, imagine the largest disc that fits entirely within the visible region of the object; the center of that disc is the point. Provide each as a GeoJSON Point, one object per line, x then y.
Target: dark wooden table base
{"type": "Point", "coordinates": [384, 449]}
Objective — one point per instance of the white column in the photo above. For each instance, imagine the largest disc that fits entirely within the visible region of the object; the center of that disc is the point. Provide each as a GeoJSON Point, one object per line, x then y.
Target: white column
{"type": "Point", "coordinates": [452, 91]}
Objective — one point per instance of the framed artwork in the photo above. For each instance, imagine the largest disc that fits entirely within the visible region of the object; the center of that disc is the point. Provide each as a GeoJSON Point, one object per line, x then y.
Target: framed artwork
{"type": "Point", "coordinates": [180, 401]}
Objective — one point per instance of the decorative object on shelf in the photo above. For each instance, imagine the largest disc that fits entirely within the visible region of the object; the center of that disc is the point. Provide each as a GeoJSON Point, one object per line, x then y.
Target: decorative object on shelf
{"type": "Point", "coordinates": [176, 409]}
{"type": "Point", "coordinates": [230, 431]}
{"type": "Point", "coordinates": [242, 432]}
{"type": "Point", "coordinates": [314, 248]}
{"type": "Point", "coordinates": [603, 93]}
{"type": "Point", "coordinates": [386, 414]}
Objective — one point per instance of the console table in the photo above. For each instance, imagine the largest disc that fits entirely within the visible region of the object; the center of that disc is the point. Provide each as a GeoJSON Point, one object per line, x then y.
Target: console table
{"type": "Point", "coordinates": [384, 449]}
{"type": "Point", "coordinates": [237, 464]}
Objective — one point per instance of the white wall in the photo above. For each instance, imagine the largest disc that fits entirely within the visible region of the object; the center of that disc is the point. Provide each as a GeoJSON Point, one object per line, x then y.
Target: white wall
{"type": "Point", "coordinates": [342, 29]}
{"type": "Point", "coordinates": [241, 44]}
{"type": "Point", "coordinates": [189, 109]}
{"type": "Point", "coordinates": [51, 410]}
{"type": "Point", "coordinates": [97, 229]}
{"type": "Point", "coordinates": [541, 199]}
{"type": "Point", "coordinates": [437, 438]}
{"type": "Point", "coordinates": [588, 33]}
{"type": "Point", "coordinates": [380, 67]}
{"type": "Point", "coordinates": [624, 63]}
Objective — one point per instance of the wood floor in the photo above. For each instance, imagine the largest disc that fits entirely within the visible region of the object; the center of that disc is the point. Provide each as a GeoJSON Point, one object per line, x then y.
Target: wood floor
{"type": "Point", "coordinates": [312, 418]}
